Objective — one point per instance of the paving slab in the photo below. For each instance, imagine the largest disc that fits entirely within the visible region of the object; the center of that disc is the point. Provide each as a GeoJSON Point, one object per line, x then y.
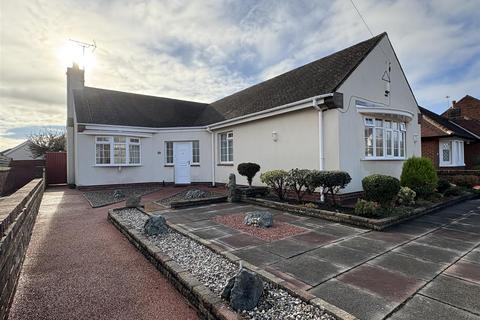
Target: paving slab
{"type": "Point", "coordinates": [241, 240]}
{"type": "Point", "coordinates": [288, 247]}
{"type": "Point", "coordinates": [408, 229]}
{"type": "Point", "coordinates": [456, 234]}
{"type": "Point", "coordinates": [446, 243]}
{"type": "Point", "coordinates": [210, 233]}
{"type": "Point", "coordinates": [408, 265]}
{"type": "Point", "coordinates": [339, 230]}
{"type": "Point", "coordinates": [465, 227]}
{"type": "Point", "coordinates": [307, 269]}
{"type": "Point", "coordinates": [312, 223]}
{"type": "Point", "coordinates": [367, 245]}
{"type": "Point", "coordinates": [390, 285]}
{"type": "Point", "coordinates": [354, 300]}
{"type": "Point", "coordinates": [465, 270]}
{"type": "Point", "coordinates": [285, 217]}
{"type": "Point", "coordinates": [473, 256]}
{"type": "Point", "coordinates": [458, 293]}
{"type": "Point", "coordinates": [341, 256]}
{"type": "Point", "coordinates": [200, 224]}
{"type": "Point", "coordinates": [315, 238]}
{"type": "Point", "coordinates": [393, 238]}
{"type": "Point", "coordinates": [424, 308]}
{"type": "Point", "coordinates": [429, 253]}
{"type": "Point", "coordinates": [257, 256]}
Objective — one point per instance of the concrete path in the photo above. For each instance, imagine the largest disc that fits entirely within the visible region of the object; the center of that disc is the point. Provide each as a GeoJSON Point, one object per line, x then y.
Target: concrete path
{"type": "Point", "coordinates": [78, 266]}
{"type": "Point", "coordinates": [428, 268]}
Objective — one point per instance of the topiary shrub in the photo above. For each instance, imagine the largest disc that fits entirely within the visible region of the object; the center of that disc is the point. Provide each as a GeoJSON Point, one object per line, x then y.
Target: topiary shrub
{"type": "Point", "coordinates": [366, 208]}
{"type": "Point", "coordinates": [443, 185]}
{"type": "Point", "coordinates": [406, 196]}
{"type": "Point", "coordinates": [276, 180]}
{"type": "Point", "coordinates": [419, 174]}
{"type": "Point", "coordinates": [330, 181]}
{"type": "Point", "coordinates": [468, 181]}
{"type": "Point", "coordinates": [297, 181]}
{"type": "Point", "coordinates": [380, 188]}
{"type": "Point", "coordinates": [249, 170]}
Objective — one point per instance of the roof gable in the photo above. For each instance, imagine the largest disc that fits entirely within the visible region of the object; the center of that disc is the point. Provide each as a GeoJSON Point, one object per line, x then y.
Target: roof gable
{"type": "Point", "coordinates": [449, 128]}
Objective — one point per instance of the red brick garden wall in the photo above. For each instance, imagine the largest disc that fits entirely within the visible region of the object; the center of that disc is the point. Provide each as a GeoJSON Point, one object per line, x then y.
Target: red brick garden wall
{"type": "Point", "coordinates": [430, 150]}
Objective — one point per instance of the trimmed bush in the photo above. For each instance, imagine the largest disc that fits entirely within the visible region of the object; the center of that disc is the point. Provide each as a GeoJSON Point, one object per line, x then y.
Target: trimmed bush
{"type": "Point", "coordinates": [330, 181]}
{"type": "Point", "coordinates": [297, 181]}
{"type": "Point", "coordinates": [468, 181]}
{"type": "Point", "coordinates": [380, 188]}
{"type": "Point", "coordinates": [419, 174]}
{"type": "Point", "coordinates": [406, 196]}
{"type": "Point", "coordinates": [249, 170]}
{"type": "Point", "coordinates": [443, 185]}
{"type": "Point", "coordinates": [453, 191]}
{"type": "Point", "coordinates": [276, 180]}
{"type": "Point", "coordinates": [366, 208]}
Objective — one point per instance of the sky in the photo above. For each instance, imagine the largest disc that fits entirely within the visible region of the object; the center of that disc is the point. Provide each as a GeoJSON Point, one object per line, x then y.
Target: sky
{"type": "Point", "coordinates": [204, 50]}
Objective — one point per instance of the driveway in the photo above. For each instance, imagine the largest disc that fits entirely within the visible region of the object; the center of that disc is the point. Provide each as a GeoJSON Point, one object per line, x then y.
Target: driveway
{"type": "Point", "coordinates": [428, 268]}
{"type": "Point", "coordinates": [78, 266]}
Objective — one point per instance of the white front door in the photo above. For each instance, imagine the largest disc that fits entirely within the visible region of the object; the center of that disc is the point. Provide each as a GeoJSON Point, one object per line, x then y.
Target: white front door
{"type": "Point", "coordinates": [182, 156]}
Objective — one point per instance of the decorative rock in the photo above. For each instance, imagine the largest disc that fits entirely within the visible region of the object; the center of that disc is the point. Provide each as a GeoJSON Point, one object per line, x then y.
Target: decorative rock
{"type": "Point", "coordinates": [243, 291]}
{"type": "Point", "coordinates": [118, 194]}
{"type": "Point", "coordinates": [132, 201]}
{"type": "Point", "coordinates": [155, 225]}
{"type": "Point", "coordinates": [263, 219]}
{"type": "Point", "coordinates": [195, 194]}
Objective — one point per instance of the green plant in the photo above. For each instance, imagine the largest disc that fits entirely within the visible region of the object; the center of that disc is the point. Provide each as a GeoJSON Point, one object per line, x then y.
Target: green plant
{"type": "Point", "coordinates": [297, 181]}
{"type": "Point", "coordinates": [366, 208]}
{"type": "Point", "coordinates": [443, 185]}
{"type": "Point", "coordinates": [406, 196]}
{"type": "Point", "coordinates": [468, 181]}
{"type": "Point", "coordinates": [330, 181]}
{"type": "Point", "coordinates": [380, 188]}
{"type": "Point", "coordinates": [419, 174]}
{"type": "Point", "coordinates": [249, 170]}
{"type": "Point", "coordinates": [276, 180]}
{"type": "Point", "coordinates": [453, 191]}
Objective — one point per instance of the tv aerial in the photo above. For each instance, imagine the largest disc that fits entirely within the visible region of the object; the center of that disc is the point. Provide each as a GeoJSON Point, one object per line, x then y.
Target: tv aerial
{"type": "Point", "coordinates": [85, 45]}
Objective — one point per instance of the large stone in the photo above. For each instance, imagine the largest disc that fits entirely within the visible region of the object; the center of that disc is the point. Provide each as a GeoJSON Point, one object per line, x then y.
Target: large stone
{"type": "Point", "coordinates": [155, 225]}
{"type": "Point", "coordinates": [195, 194]}
{"type": "Point", "coordinates": [243, 291]}
{"type": "Point", "coordinates": [233, 193]}
{"type": "Point", "coordinates": [263, 219]}
{"type": "Point", "coordinates": [133, 201]}
{"type": "Point", "coordinates": [118, 194]}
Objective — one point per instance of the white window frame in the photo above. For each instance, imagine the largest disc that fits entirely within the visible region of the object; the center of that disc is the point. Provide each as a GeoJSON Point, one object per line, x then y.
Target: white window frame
{"type": "Point", "coordinates": [390, 128]}
{"type": "Point", "coordinates": [457, 153]}
{"type": "Point", "coordinates": [129, 140]}
{"type": "Point", "coordinates": [229, 139]}
{"type": "Point", "coordinates": [172, 163]}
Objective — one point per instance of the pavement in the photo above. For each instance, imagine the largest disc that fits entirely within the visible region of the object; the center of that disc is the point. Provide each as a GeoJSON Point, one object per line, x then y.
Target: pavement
{"type": "Point", "coordinates": [426, 268]}
{"type": "Point", "coordinates": [78, 266]}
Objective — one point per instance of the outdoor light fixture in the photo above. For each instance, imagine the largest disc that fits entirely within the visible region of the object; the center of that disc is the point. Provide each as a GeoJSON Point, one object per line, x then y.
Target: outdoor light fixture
{"type": "Point", "coordinates": [274, 136]}
{"type": "Point", "coordinates": [415, 138]}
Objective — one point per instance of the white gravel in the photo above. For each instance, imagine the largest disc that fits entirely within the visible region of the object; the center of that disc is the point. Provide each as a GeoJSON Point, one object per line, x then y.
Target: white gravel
{"type": "Point", "coordinates": [214, 270]}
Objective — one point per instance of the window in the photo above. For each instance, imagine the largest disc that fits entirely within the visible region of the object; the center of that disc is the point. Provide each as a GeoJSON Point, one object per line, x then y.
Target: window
{"type": "Point", "coordinates": [451, 153]}
{"type": "Point", "coordinates": [226, 147]}
{"type": "Point", "coordinates": [195, 152]}
{"type": "Point", "coordinates": [117, 150]}
{"type": "Point", "coordinates": [384, 139]}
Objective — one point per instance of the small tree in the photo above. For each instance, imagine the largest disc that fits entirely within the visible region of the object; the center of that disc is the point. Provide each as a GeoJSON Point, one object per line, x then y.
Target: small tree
{"type": "Point", "coordinates": [276, 180]}
{"type": "Point", "coordinates": [419, 174]}
{"type": "Point", "coordinates": [330, 181]}
{"type": "Point", "coordinates": [249, 170]}
{"type": "Point", "coordinates": [297, 181]}
{"type": "Point", "coordinates": [46, 141]}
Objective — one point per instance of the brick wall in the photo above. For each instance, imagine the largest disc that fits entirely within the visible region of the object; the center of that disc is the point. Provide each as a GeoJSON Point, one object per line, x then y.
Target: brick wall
{"type": "Point", "coordinates": [472, 155]}
{"type": "Point", "coordinates": [17, 217]}
{"type": "Point", "coordinates": [430, 150]}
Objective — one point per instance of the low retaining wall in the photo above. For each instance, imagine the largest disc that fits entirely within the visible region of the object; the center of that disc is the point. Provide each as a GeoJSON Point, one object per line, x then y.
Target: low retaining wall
{"type": "Point", "coordinates": [197, 202]}
{"type": "Point", "coordinates": [17, 218]}
{"type": "Point", "coordinates": [375, 224]}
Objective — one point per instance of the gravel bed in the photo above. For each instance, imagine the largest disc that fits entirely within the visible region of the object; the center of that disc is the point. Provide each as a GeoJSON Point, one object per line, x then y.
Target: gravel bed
{"type": "Point", "coordinates": [105, 197]}
{"type": "Point", "coordinates": [278, 231]}
{"type": "Point", "coordinates": [181, 197]}
{"type": "Point", "coordinates": [214, 270]}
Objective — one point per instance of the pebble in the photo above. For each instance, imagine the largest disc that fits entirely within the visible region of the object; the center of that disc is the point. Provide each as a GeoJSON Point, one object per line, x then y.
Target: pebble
{"type": "Point", "coordinates": [213, 271]}
{"type": "Point", "coordinates": [104, 197]}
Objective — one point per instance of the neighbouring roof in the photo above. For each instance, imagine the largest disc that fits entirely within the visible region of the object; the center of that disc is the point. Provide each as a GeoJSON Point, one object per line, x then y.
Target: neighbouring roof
{"type": "Point", "coordinates": [467, 108]}
{"type": "Point", "coordinates": [100, 106]}
{"type": "Point", "coordinates": [445, 126]}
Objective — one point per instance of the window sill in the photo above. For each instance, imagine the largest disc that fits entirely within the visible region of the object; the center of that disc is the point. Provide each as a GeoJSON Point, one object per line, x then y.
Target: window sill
{"type": "Point", "coordinates": [451, 165]}
{"type": "Point", "coordinates": [172, 165]}
{"type": "Point", "coordinates": [225, 164]}
{"type": "Point", "coordinates": [383, 159]}
{"type": "Point", "coordinates": [117, 165]}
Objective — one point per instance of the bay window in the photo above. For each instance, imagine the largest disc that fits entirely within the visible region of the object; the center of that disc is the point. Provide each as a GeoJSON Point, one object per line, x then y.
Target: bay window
{"type": "Point", "coordinates": [117, 151]}
{"type": "Point", "coordinates": [384, 139]}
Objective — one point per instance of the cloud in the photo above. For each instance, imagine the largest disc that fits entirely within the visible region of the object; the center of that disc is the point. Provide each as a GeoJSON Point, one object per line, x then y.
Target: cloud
{"type": "Point", "coordinates": [204, 50]}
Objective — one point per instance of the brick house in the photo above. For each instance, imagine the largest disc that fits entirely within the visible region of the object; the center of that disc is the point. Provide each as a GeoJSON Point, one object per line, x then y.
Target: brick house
{"type": "Point", "coordinates": [452, 140]}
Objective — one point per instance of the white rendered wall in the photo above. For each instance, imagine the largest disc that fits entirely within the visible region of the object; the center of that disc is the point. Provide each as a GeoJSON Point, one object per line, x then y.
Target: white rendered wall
{"type": "Point", "coordinates": [21, 152]}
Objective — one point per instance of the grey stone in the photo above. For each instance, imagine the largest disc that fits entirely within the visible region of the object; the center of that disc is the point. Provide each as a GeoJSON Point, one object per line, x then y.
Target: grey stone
{"type": "Point", "coordinates": [118, 194]}
{"type": "Point", "coordinates": [195, 194]}
{"type": "Point", "coordinates": [263, 219]}
{"type": "Point", "coordinates": [155, 225]}
{"type": "Point", "coordinates": [233, 195]}
{"type": "Point", "coordinates": [243, 291]}
{"type": "Point", "coordinates": [133, 201]}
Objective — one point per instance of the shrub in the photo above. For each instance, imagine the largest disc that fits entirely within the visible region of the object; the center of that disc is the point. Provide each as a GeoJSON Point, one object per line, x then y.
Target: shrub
{"type": "Point", "coordinates": [276, 180]}
{"type": "Point", "coordinates": [380, 188]}
{"type": "Point", "coordinates": [468, 181]}
{"type": "Point", "coordinates": [443, 185]}
{"type": "Point", "coordinates": [419, 174]}
{"type": "Point", "coordinates": [297, 181]}
{"type": "Point", "coordinates": [453, 191]}
{"type": "Point", "coordinates": [366, 208]}
{"type": "Point", "coordinates": [406, 196]}
{"type": "Point", "coordinates": [249, 170]}
{"type": "Point", "coordinates": [310, 205]}
{"type": "Point", "coordinates": [330, 181]}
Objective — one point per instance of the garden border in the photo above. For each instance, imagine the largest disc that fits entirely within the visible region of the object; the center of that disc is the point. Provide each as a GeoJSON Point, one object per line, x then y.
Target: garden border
{"type": "Point", "coordinates": [370, 223]}
{"type": "Point", "coordinates": [207, 303]}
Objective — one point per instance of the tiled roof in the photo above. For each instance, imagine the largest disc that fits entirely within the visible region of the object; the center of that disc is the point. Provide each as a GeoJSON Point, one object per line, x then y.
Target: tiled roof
{"type": "Point", "coordinates": [446, 125]}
